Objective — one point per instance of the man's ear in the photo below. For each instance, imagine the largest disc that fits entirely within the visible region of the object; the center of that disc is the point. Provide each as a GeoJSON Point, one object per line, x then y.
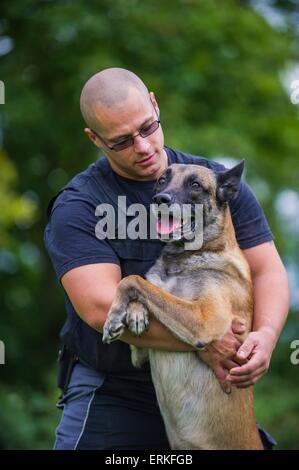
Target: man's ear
{"type": "Point", "coordinates": [154, 103]}
{"type": "Point", "coordinates": [93, 137]}
{"type": "Point", "coordinates": [228, 182]}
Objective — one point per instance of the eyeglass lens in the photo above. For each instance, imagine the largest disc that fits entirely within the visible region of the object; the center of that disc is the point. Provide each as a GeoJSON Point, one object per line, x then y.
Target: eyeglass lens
{"type": "Point", "coordinates": [145, 132]}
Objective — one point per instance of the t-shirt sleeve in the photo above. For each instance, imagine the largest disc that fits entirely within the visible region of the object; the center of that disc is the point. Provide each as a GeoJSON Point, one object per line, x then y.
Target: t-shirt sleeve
{"type": "Point", "coordinates": [249, 220]}
{"type": "Point", "coordinates": [70, 238]}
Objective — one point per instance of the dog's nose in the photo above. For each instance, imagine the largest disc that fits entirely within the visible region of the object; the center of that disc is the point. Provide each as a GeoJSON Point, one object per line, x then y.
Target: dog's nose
{"type": "Point", "coordinates": [162, 198]}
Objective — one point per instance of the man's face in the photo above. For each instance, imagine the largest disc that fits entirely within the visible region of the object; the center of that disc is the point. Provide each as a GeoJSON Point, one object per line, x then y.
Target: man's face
{"type": "Point", "coordinates": [145, 159]}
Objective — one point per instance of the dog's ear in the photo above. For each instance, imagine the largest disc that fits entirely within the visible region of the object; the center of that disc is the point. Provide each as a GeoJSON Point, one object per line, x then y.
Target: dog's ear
{"type": "Point", "coordinates": [228, 182]}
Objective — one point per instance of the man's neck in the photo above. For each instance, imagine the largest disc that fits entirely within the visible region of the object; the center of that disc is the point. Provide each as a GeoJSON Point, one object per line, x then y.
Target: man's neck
{"type": "Point", "coordinates": [153, 178]}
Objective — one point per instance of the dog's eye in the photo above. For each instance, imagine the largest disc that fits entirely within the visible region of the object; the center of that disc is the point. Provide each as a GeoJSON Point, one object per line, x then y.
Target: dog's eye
{"type": "Point", "coordinates": [195, 185]}
{"type": "Point", "coordinates": [161, 180]}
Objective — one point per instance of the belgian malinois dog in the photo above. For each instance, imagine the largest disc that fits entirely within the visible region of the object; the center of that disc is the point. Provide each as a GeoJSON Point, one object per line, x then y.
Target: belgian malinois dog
{"type": "Point", "coordinates": [196, 293]}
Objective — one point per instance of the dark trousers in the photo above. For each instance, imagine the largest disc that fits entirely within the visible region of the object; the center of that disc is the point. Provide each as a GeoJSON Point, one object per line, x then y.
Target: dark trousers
{"type": "Point", "coordinates": [106, 412]}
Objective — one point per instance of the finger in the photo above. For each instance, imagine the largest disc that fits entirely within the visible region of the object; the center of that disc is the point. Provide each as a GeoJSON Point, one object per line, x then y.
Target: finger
{"type": "Point", "coordinates": [239, 361]}
{"type": "Point", "coordinates": [238, 328]}
{"type": "Point", "coordinates": [251, 366]}
{"type": "Point", "coordinates": [221, 377]}
{"type": "Point", "coordinates": [246, 349]}
{"type": "Point", "coordinates": [226, 387]}
{"type": "Point", "coordinates": [247, 384]}
{"type": "Point", "coordinates": [227, 364]}
{"type": "Point", "coordinates": [245, 378]}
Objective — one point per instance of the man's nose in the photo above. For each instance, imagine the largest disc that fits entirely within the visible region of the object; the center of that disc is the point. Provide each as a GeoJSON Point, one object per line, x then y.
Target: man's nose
{"type": "Point", "coordinates": [162, 198]}
{"type": "Point", "coordinates": [141, 144]}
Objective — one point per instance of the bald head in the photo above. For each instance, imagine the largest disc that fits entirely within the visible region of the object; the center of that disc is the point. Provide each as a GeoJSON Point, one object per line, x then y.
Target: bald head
{"type": "Point", "coordinates": [109, 88]}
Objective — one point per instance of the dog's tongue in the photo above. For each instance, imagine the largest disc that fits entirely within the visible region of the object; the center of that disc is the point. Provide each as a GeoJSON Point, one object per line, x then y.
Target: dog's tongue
{"type": "Point", "coordinates": [166, 226]}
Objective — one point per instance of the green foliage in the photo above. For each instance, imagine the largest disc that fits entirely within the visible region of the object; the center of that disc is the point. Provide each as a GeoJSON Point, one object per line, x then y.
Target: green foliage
{"type": "Point", "coordinates": [277, 399]}
{"type": "Point", "coordinates": [216, 70]}
{"type": "Point", "coordinates": [28, 418]}
{"type": "Point", "coordinates": [14, 209]}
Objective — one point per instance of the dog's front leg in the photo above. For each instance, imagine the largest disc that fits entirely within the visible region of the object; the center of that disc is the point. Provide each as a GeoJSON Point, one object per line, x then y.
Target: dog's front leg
{"type": "Point", "coordinates": [125, 311]}
{"type": "Point", "coordinates": [195, 322]}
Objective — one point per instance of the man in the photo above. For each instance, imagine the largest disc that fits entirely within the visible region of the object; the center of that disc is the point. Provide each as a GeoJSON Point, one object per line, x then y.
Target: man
{"type": "Point", "coordinates": [107, 403]}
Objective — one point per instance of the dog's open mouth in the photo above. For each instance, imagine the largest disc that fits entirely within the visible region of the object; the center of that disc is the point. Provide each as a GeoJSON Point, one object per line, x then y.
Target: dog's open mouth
{"type": "Point", "coordinates": [167, 224]}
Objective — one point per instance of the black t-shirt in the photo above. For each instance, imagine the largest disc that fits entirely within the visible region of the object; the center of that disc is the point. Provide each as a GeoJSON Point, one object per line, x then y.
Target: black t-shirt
{"type": "Point", "coordinates": [71, 241]}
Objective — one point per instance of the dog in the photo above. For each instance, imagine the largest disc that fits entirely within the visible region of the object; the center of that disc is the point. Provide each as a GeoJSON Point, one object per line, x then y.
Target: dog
{"type": "Point", "coordinates": [195, 293]}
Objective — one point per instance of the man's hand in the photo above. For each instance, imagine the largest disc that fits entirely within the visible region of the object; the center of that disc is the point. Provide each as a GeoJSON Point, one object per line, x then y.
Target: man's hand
{"type": "Point", "coordinates": [257, 349]}
{"type": "Point", "coordinates": [221, 355]}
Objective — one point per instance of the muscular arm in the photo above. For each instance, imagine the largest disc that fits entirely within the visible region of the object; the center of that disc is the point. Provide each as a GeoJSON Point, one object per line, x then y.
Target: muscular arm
{"type": "Point", "coordinates": [271, 304]}
{"type": "Point", "coordinates": [270, 289]}
{"type": "Point", "coordinates": [92, 288]}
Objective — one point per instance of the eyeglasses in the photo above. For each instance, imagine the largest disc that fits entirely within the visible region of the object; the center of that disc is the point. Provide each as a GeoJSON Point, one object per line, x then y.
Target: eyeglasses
{"type": "Point", "coordinates": [129, 141]}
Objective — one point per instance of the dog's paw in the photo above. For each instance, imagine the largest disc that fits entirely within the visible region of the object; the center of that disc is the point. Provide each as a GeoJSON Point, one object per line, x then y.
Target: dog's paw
{"type": "Point", "coordinates": [137, 317]}
{"type": "Point", "coordinates": [114, 326]}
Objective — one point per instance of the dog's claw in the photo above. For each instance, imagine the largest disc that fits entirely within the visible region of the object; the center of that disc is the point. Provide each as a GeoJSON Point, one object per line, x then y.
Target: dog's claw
{"type": "Point", "coordinates": [114, 326]}
{"type": "Point", "coordinates": [120, 327]}
{"type": "Point", "coordinates": [111, 334]}
{"type": "Point", "coordinates": [137, 318]}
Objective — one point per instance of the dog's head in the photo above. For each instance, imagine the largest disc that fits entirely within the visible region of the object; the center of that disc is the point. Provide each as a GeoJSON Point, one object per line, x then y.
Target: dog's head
{"type": "Point", "coordinates": [183, 189]}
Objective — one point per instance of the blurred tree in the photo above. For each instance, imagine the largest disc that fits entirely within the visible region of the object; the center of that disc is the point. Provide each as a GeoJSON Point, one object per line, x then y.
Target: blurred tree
{"type": "Point", "coordinates": [14, 210]}
{"type": "Point", "coordinates": [217, 74]}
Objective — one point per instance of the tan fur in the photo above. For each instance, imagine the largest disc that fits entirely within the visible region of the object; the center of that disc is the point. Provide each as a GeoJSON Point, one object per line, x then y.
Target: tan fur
{"type": "Point", "coordinates": [198, 305]}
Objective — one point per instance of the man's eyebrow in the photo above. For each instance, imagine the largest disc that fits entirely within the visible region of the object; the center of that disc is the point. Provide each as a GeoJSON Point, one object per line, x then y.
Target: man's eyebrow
{"type": "Point", "coordinates": [129, 135]}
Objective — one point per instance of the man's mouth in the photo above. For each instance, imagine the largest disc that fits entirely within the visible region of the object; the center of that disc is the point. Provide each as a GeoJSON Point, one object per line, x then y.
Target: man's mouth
{"type": "Point", "coordinates": [146, 160]}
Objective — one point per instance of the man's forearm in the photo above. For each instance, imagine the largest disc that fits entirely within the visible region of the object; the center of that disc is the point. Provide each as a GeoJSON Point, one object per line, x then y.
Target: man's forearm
{"type": "Point", "coordinates": [271, 302]}
{"type": "Point", "coordinates": [156, 337]}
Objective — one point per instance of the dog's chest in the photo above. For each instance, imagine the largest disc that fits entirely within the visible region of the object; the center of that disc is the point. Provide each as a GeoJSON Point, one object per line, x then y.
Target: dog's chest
{"type": "Point", "coordinates": [180, 285]}
{"type": "Point", "coordinates": [170, 284]}
{"type": "Point", "coordinates": [184, 278]}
